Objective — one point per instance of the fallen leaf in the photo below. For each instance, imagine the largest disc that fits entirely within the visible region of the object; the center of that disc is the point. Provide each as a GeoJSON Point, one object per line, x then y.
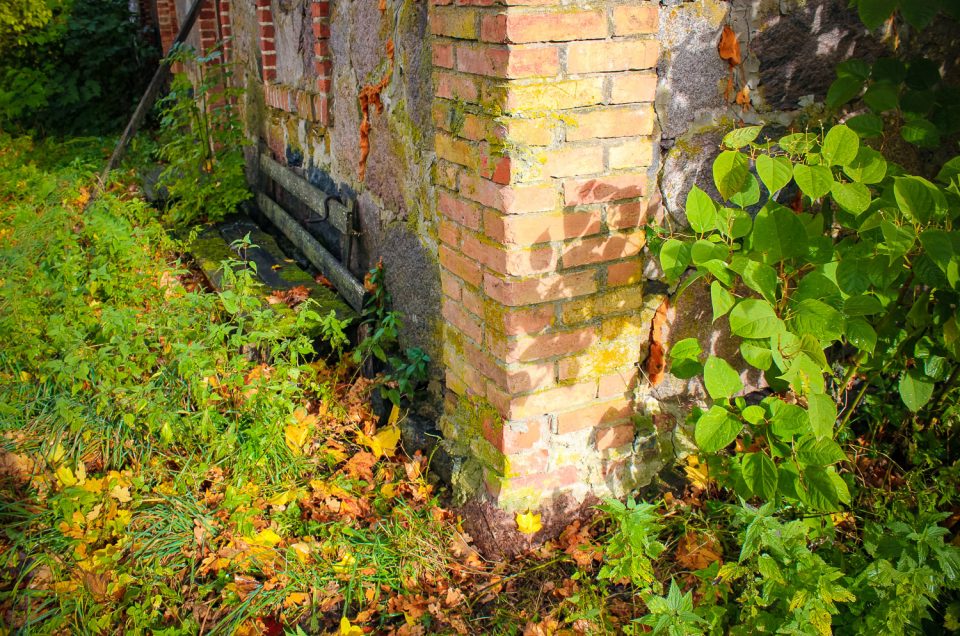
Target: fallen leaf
{"type": "Point", "coordinates": [529, 522]}
{"type": "Point", "coordinates": [121, 494]}
{"type": "Point", "coordinates": [346, 629]}
{"type": "Point", "coordinates": [697, 473]}
{"type": "Point", "coordinates": [296, 598]}
{"type": "Point", "coordinates": [384, 442]}
{"type": "Point", "coordinates": [697, 551]}
{"type": "Point", "coordinates": [267, 538]}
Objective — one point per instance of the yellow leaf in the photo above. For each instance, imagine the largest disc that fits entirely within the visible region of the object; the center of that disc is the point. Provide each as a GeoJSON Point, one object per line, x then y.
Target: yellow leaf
{"type": "Point", "coordinates": [529, 522]}
{"type": "Point", "coordinates": [283, 498]}
{"type": "Point", "coordinates": [346, 629]}
{"type": "Point", "coordinates": [65, 477]}
{"type": "Point", "coordinates": [384, 442]}
{"type": "Point", "coordinates": [697, 473]}
{"type": "Point", "coordinates": [296, 437]}
{"type": "Point", "coordinates": [394, 415]}
{"type": "Point", "coordinates": [296, 598]}
{"type": "Point", "coordinates": [345, 564]}
{"type": "Point", "coordinates": [58, 454]}
{"type": "Point", "coordinates": [388, 490]}
{"type": "Point", "coordinates": [302, 550]}
{"type": "Point", "coordinates": [121, 494]}
{"type": "Point", "coordinates": [267, 538]}
{"type": "Point", "coordinates": [26, 377]}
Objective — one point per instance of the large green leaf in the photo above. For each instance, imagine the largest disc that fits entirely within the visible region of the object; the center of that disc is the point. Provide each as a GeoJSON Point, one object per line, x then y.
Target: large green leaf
{"type": "Point", "coordinates": [814, 181]}
{"type": "Point", "coordinates": [701, 211]}
{"type": "Point", "coordinates": [818, 490]}
{"type": "Point", "coordinates": [817, 318]}
{"type": "Point", "coordinates": [674, 258]}
{"type": "Point", "coordinates": [852, 197]}
{"type": "Point", "coordinates": [761, 278]}
{"type": "Point", "coordinates": [775, 172]}
{"type": "Point", "coordinates": [822, 411]}
{"type": "Point", "coordinates": [721, 300]}
{"type": "Point", "coordinates": [916, 389]}
{"type": "Point", "coordinates": [804, 375]}
{"type": "Point", "coordinates": [757, 353]}
{"type": "Point", "coordinates": [943, 248]}
{"type": "Point", "coordinates": [862, 305]}
{"type": "Point", "coordinates": [819, 452]}
{"type": "Point", "coordinates": [861, 334]}
{"type": "Point", "coordinates": [921, 132]}
{"type": "Point", "coordinates": [778, 234]}
{"type": "Point", "coordinates": [740, 137]}
{"type": "Point", "coordinates": [730, 171]}
{"type": "Point", "coordinates": [721, 379]}
{"type": "Point", "coordinates": [754, 318]}
{"type": "Point", "coordinates": [868, 167]}
{"type": "Point", "coordinates": [787, 420]}
{"type": "Point", "coordinates": [760, 475]}
{"type": "Point", "coordinates": [919, 199]}
{"type": "Point", "coordinates": [703, 250]}
{"type": "Point", "coordinates": [716, 429]}
{"type": "Point", "coordinates": [840, 146]}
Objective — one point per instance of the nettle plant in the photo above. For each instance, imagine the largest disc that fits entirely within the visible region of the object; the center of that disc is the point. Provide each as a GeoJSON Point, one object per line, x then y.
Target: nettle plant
{"type": "Point", "coordinates": [853, 286]}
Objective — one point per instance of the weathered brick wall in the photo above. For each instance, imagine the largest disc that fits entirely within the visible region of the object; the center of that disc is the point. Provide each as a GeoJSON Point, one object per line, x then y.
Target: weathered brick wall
{"type": "Point", "coordinates": [545, 138]}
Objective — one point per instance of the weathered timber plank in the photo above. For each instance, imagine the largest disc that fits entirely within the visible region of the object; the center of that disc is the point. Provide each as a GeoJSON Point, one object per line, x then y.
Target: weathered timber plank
{"type": "Point", "coordinates": [317, 200]}
{"type": "Point", "coordinates": [351, 289]}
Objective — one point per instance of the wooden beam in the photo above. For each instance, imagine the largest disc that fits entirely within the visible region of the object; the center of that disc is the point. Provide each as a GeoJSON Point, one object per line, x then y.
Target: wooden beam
{"type": "Point", "coordinates": [349, 287]}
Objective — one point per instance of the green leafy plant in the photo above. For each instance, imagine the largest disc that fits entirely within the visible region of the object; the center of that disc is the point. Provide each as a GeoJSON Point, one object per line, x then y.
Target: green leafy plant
{"type": "Point", "coordinates": [404, 373]}
{"type": "Point", "coordinates": [672, 614]}
{"type": "Point", "coordinates": [202, 141]}
{"type": "Point", "coordinates": [634, 544]}
{"type": "Point", "coordinates": [858, 277]}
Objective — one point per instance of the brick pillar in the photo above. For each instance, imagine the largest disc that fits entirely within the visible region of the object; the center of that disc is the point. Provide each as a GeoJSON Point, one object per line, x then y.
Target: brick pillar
{"type": "Point", "coordinates": [167, 23]}
{"type": "Point", "coordinates": [322, 61]}
{"type": "Point", "coordinates": [268, 42]}
{"type": "Point", "coordinates": [545, 135]}
{"type": "Point", "coordinates": [226, 29]}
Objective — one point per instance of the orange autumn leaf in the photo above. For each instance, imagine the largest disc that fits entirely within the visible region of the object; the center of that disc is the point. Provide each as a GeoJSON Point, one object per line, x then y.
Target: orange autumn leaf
{"type": "Point", "coordinates": [729, 46]}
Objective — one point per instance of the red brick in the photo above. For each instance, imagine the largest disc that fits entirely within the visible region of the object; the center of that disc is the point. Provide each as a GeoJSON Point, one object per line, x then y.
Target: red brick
{"type": "Point", "coordinates": [631, 154]}
{"type": "Point", "coordinates": [464, 212]}
{"type": "Point", "coordinates": [547, 345]}
{"type": "Point", "coordinates": [626, 273]}
{"type": "Point", "coordinates": [529, 377]}
{"type": "Point", "coordinates": [454, 22]}
{"type": "Point", "coordinates": [633, 87]}
{"type": "Point", "coordinates": [530, 291]}
{"type": "Point", "coordinates": [448, 233]}
{"type": "Point", "coordinates": [615, 437]}
{"type": "Point", "coordinates": [460, 266]}
{"type": "Point", "coordinates": [635, 20]}
{"type": "Point", "coordinates": [559, 26]}
{"type": "Point", "coordinates": [462, 320]}
{"type": "Point", "coordinates": [472, 301]}
{"type": "Point", "coordinates": [609, 56]}
{"type": "Point", "coordinates": [627, 215]}
{"type": "Point", "coordinates": [617, 384]}
{"type": "Point", "coordinates": [602, 248]}
{"type": "Point", "coordinates": [513, 437]}
{"type": "Point", "coordinates": [455, 86]}
{"type": "Point", "coordinates": [544, 402]}
{"type": "Point", "coordinates": [573, 161]}
{"type": "Point", "coordinates": [527, 321]}
{"type": "Point", "coordinates": [612, 188]}
{"type": "Point", "coordinates": [451, 287]}
{"type": "Point", "coordinates": [509, 199]}
{"type": "Point", "coordinates": [593, 415]}
{"type": "Point", "coordinates": [619, 121]}
{"type": "Point", "coordinates": [514, 262]}
{"type": "Point", "coordinates": [443, 55]}
{"type": "Point", "coordinates": [508, 62]}
{"type": "Point", "coordinates": [530, 229]}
